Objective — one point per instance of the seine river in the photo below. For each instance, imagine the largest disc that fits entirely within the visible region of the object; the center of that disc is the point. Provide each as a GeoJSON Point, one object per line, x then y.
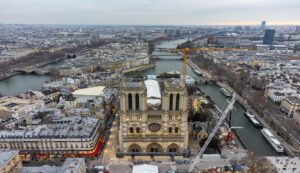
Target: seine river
{"type": "Point", "coordinates": [251, 136]}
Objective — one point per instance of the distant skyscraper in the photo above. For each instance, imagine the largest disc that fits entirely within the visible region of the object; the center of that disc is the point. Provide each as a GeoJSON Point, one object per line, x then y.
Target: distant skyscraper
{"type": "Point", "coordinates": [247, 28]}
{"type": "Point", "coordinates": [298, 29]}
{"type": "Point", "coordinates": [269, 36]}
{"type": "Point", "coordinates": [263, 25]}
{"type": "Point", "coordinates": [238, 28]}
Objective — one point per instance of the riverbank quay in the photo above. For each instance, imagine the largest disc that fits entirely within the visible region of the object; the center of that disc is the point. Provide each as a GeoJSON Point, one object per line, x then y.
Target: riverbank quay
{"type": "Point", "coordinates": [289, 149]}
{"type": "Point", "coordinates": [268, 120]}
{"type": "Point", "coordinates": [285, 127]}
{"type": "Point", "coordinates": [217, 111]}
{"type": "Point", "coordinates": [240, 143]}
{"type": "Point", "coordinates": [197, 68]}
{"type": "Point", "coordinates": [37, 68]}
{"type": "Point", "coordinates": [139, 68]}
{"type": "Point", "coordinates": [6, 76]}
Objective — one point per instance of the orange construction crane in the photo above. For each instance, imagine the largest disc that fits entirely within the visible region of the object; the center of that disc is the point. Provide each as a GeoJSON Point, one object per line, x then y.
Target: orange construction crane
{"type": "Point", "coordinates": [187, 51]}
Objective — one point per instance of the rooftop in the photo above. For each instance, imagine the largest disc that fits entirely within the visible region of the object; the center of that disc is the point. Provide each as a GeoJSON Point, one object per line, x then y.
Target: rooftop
{"type": "Point", "coordinates": [145, 168]}
{"type": "Point", "coordinates": [5, 156]}
{"type": "Point", "coordinates": [174, 83]}
{"type": "Point", "coordinates": [93, 91]}
{"type": "Point", "coordinates": [295, 100]}
{"type": "Point", "coordinates": [153, 92]}
{"type": "Point", "coordinates": [134, 85]}
{"type": "Point", "coordinates": [72, 127]}
{"type": "Point", "coordinates": [285, 164]}
{"type": "Point", "coordinates": [71, 165]}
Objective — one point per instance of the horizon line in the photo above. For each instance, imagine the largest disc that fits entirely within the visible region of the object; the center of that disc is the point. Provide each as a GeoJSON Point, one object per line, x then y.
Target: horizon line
{"type": "Point", "coordinates": [74, 24]}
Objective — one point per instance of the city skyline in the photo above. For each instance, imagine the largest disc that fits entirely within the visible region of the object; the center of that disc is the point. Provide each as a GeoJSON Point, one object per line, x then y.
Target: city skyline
{"type": "Point", "coordinates": [145, 12]}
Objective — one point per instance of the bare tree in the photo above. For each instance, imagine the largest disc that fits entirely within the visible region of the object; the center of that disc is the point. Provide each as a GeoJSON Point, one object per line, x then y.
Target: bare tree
{"type": "Point", "coordinates": [258, 164]}
{"type": "Point", "coordinates": [53, 72]}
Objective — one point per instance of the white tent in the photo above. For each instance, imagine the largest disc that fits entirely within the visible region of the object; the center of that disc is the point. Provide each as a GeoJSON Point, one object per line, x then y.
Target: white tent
{"type": "Point", "coordinates": [153, 92]}
{"type": "Point", "coordinates": [145, 168]}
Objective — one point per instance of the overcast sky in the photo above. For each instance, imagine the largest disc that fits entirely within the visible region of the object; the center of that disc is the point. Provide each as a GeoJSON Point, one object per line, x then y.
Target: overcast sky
{"type": "Point", "coordinates": [180, 12]}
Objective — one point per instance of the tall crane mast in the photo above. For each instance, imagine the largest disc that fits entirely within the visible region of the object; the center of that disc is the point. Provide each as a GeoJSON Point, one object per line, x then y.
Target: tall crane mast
{"type": "Point", "coordinates": [187, 51]}
{"type": "Point", "coordinates": [214, 131]}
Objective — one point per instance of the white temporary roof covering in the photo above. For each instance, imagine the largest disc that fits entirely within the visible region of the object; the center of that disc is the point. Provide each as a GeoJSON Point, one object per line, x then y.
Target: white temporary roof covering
{"type": "Point", "coordinates": [153, 92]}
{"type": "Point", "coordinates": [145, 168]}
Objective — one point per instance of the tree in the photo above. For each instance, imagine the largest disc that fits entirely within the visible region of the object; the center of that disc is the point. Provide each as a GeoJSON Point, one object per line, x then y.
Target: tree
{"type": "Point", "coordinates": [139, 75]}
{"type": "Point", "coordinates": [53, 72]}
{"type": "Point", "coordinates": [200, 116]}
{"type": "Point", "coordinates": [214, 143]}
{"type": "Point", "coordinates": [258, 164]}
{"type": "Point", "coordinates": [191, 90]}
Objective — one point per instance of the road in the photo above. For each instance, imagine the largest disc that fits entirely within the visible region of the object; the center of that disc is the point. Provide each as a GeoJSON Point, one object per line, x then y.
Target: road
{"type": "Point", "coordinates": [109, 153]}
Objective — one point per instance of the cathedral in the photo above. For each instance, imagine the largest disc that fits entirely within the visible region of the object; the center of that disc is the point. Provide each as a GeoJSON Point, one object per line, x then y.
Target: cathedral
{"type": "Point", "coordinates": [153, 118]}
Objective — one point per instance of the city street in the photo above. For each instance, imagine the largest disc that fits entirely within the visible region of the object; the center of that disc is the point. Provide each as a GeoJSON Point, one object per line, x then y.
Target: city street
{"type": "Point", "coordinates": [109, 153]}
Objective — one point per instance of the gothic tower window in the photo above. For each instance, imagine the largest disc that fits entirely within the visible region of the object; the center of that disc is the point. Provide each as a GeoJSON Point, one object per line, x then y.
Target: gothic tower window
{"type": "Point", "coordinates": [138, 130]}
{"type": "Point", "coordinates": [171, 102]}
{"type": "Point", "coordinates": [137, 102]}
{"type": "Point", "coordinates": [130, 102]}
{"type": "Point", "coordinates": [176, 129]}
{"type": "Point", "coordinates": [170, 129]}
{"type": "Point", "coordinates": [131, 130]}
{"type": "Point", "coordinates": [177, 102]}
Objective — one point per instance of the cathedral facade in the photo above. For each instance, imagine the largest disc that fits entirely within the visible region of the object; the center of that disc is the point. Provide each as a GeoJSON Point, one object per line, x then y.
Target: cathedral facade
{"type": "Point", "coordinates": [153, 118]}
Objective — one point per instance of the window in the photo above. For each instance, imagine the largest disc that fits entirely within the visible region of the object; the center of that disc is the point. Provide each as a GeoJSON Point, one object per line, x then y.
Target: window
{"type": "Point", "coordinates": [130, 117]}
{"type": "Point", "coordinates": [135, 150]}
{"type": "Point", "coordinates": [176, 129]}
{"type": "Point", "coordinates": [130, 102]}
{"type": "Point", "coordinates": [170, 129]}
{"type": "Point", "coordinates": [137, 102]}
{"type": "Point", "coordinates": [171, 102]}
{"type": "Point", "coordinates": [177, 102]}
{"type": "Point", "coordinates": [154, 117]}
{"type": "Point", "coordinates": [130, 130]}
{"type": "Point", "coordinates": [138, 130]}
{"type": "Point", "coordinates": [172, 150]}
{"type": "Point", "coordinates": [139, 117]}
{"type": "Point", "coordinates": [154, 150]}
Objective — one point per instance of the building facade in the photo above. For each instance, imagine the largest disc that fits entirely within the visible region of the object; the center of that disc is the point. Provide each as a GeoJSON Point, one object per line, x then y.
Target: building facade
{"type": "Point", "coordinates": [263, 25]}
{"type": "Point", "coordinates": [269, 36]}
{"type": "Point", "coordinates": [67, 137]}
{"type": "Point", "coordinates": [10, 161]}
{"type": "Point", "coordinates": [153, 118]}
{"type": "Point", "coordinates": [70, 165]}
{"type": "Point", "coordinates": [290, 105]}
{"type": "Point", "coordinates": [21, 109]}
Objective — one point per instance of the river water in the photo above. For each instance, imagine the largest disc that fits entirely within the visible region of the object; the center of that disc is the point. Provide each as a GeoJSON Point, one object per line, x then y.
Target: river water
{"type": "Point", "coordinates": [22, 82]}
{"type": "Point", "coordinates": [252, 137]}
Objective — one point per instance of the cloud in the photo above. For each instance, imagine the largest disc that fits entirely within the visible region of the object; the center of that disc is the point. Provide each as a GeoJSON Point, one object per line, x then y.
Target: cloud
{"type": "Point", "coordinates": [148, 11]}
